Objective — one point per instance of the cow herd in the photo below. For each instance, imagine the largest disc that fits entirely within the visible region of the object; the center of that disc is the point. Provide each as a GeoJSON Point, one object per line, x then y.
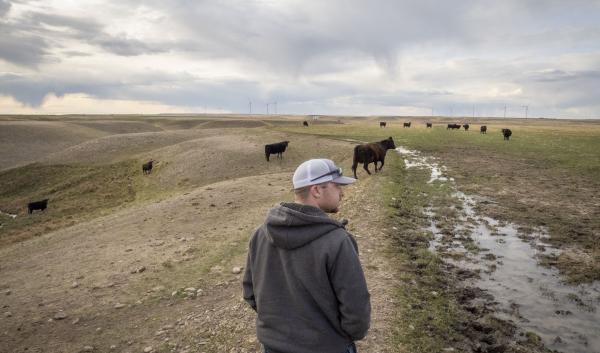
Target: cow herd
{"type": "Point", "coordinates": [482, 129]}
{"type": "Point", "coordinates": [366, 153]}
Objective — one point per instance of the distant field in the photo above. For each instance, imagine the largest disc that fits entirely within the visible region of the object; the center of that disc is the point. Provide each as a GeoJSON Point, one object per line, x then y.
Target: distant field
{"type": "Point", "coordinates": [547, 175]}
{"type": "Point", "coordinates": [91, 166]}
{"type": "Point", "coordinates": [137, 243]}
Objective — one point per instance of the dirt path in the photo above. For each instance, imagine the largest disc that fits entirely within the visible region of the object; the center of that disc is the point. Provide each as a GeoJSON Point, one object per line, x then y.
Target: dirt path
{"type": "Point", "coordinates": [161, 275]}
{"type": "Point", "coordinates": [364, 209]}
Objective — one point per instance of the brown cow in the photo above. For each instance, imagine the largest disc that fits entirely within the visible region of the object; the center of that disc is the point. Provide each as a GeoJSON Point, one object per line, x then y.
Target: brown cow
{"type": "Point", "coordinates": [371, 153]}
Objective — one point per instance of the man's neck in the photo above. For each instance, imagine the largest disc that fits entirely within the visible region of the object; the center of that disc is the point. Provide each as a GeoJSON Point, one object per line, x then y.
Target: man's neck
{"type": "Point", "coordinates": [307, 202]}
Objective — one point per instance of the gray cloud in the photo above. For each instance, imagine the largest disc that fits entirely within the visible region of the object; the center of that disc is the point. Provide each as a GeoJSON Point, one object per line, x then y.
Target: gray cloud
{"type": "Point", "coordinates": [31, 91]}
{"type": "Point", "coordinates": [289, 39]}
{"type": "Point", "coordinates": [307, 53]}
{"type": "Point", "coordinates": [75, 53]}
{"type": "Point", "coordinates": [86, 26]}
{"type": "Point", "coordinates": [91, 32]}
{"type": "Point", "coordinates": [20, 49]}
{"type": "Point", "coordinates": [127, 47]}
{"type": "Point", "coordinates": [25, 41]}
{"type": "Point", "coordinates": [4, 7]}
{"type": "Point", "coordinates": [563, 90]}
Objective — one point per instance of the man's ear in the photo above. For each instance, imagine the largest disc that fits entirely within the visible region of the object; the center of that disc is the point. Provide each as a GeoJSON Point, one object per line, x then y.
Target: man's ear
{"type": "Point", "coordinates": [315, 192]}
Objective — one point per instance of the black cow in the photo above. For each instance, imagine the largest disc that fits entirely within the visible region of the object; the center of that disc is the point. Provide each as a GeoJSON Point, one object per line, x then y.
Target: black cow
{"type": "Point", "coordinates": [147, 167]}
{"type": "Point", "coordinates": [382, 124]}
{"type": "Point", "coordinates": [371, 153]}
{"type": "Point", "coordinates": [407, 124]}
{"type": "Point", "coordinates": [483, 129]}
{"type": "Point", "coordinates": [305, 123]}
{"type": "Point", "coordinates": [466, 126]}
{"type": "Point", "coordinates": [37, 205]}
{"type": "Point", "coordinates": [276, 148]}
{"type": "Point", "coordinates": [506, 133]}
{"type": "Point", "coordinates": [453, 126]}
{"type": "Point", "coordinates": [429, 125]}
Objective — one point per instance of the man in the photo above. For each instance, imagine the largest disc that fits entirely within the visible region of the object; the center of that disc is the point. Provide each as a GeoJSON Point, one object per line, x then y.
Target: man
{"type": "Point", "coordinates": [303, 275]}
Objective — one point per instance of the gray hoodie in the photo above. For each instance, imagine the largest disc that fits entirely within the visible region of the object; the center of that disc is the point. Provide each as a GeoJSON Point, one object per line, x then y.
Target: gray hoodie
{"type": "Point", "coordinates": [304, 279]}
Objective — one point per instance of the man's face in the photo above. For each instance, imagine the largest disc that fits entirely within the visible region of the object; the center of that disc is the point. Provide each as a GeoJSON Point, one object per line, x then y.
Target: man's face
{"type": "Point", "coordinates": [332, 194]}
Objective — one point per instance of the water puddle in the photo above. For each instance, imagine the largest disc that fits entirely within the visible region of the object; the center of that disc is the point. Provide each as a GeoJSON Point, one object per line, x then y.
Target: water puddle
{"type": "Point", "coordinates": [415, 159]}
{"type": "Point", "coordinates": [566, 317]}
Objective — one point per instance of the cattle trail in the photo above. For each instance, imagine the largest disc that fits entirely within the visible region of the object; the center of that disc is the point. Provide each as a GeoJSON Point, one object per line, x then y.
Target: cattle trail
{"type": "Point", "coordinates": [532, 296]}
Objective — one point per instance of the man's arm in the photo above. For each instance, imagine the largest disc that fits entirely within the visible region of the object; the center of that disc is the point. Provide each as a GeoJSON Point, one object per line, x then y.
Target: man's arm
{"type": "Point", "coordinates": [248, 288]}
{"type": "Point", "coordinates": [348, 281]}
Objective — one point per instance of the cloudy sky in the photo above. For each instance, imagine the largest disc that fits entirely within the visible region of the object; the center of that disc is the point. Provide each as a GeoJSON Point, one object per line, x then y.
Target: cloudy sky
{"type": "Point", "coordinates": [356, 57]}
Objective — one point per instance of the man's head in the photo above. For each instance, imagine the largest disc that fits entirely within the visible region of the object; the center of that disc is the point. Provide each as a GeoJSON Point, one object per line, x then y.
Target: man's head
{"type": "Point", "coordinates": [318, 182]}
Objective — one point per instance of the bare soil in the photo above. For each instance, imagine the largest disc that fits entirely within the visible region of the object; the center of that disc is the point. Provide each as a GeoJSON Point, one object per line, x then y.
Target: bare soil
{"type": "Point", "coordinates": [159, 273]}
{"type": "Point", "coordinates": [160, 270]}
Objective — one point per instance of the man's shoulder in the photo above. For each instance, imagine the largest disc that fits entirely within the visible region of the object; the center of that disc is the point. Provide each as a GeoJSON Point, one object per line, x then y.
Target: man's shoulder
{"type": "Point", "coordinates": [336, 236]}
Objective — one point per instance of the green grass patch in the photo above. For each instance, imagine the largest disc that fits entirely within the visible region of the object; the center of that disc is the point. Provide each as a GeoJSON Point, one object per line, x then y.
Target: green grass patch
{"type": "Point", "coordinates": [427, 310]}
{"type": "Point", "coordinates": [547, 176]}
{"type": "Point", "coordinates": [575, 149]}
{"type": "Point", "coordinates": [75, 193]}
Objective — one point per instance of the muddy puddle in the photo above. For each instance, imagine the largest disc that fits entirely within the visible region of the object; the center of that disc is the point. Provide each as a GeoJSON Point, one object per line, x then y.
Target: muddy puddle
{"type": "Point", "coordinates": [535, 298]}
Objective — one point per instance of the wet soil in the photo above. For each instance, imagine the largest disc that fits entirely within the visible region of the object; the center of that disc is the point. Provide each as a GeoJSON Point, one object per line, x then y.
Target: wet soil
{"type": "Point", "coordinates": [566, 204]}
{"type": "Point", "coordinates": [500, 264]}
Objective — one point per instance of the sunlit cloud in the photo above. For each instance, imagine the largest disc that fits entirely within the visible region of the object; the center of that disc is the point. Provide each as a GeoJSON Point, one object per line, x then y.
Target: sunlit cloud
{"type": "Point", "coordinates": [76, 103]}
{"type": "Point", "coordinates": [335, 57]}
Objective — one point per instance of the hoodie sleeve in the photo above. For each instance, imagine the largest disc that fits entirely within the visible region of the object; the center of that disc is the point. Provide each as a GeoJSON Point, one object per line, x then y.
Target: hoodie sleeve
{"type": "Point", "coordinates": [348, 281]}
{"type": "Point", "coordinates": [247, 285]}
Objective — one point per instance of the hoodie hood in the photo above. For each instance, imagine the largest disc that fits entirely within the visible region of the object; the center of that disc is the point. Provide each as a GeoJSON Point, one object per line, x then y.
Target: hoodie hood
{"type": "Point", "coordinates": [291, 225]}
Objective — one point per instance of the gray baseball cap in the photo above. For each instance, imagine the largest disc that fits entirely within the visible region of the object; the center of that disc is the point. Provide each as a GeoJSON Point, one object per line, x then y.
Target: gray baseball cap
{"type": "Point", "coordinates": [317, 171]}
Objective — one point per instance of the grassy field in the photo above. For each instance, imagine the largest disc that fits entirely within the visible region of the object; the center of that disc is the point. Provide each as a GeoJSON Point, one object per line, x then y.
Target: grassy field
{"type": "Point", "coordinates": [76, 193]}
{"type": "Point", "coordinates": [547, 175]}
{"type": "Point", "coordinates": [188, 225]}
